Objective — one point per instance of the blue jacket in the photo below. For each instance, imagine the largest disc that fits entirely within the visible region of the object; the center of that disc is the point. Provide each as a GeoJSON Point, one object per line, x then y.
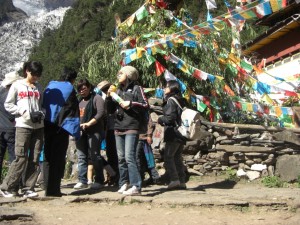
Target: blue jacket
{"type": "Point", "coordinates": [62, 107]}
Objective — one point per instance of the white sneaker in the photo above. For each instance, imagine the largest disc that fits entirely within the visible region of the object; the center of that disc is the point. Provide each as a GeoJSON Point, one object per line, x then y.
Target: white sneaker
{"type": "Point", "coordinates": [123, 188]}
{"type": "Point", "coordinates": [96, 186]}
{"type": "Point", "coordinates": [174, 184]}
{"type": "Point", "coordinates": [132, 191]}
{"type": "Point", "coordinates": [6, 194]}
{"type": "Point", "coordinates": [30, 194]}
{"type": "Point", "coordinates": [80, 185]}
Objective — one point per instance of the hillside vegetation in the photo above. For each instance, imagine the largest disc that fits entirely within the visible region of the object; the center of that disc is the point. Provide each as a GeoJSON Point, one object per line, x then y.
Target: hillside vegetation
{"type": "Point", "coordinates": [92, 22]}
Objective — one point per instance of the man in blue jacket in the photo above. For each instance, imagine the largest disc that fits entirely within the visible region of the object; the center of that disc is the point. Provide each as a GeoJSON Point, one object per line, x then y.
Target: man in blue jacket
{"type": "Point", "coordinates": [61, 120]}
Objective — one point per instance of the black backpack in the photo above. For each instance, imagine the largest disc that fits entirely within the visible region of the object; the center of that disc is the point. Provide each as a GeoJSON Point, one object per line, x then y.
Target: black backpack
{"type": "Point", "coordinates": [143, 116]}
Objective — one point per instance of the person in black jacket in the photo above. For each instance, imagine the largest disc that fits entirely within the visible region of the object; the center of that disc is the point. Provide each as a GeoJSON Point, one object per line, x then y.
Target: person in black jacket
{"type": "Point", "coordinates": [128, 113]}
{"type": "Point", "coordinates": [92, 117]}
{"type": "Point", "coordinates": [61, 121]}
{"type": "Point", "coordinates": [174, 141]}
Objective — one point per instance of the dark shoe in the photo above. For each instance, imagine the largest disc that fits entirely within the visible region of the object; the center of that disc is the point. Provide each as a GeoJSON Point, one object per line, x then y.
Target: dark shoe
{"type": "Point", "coordinates": [148, 182]}
{"type": "Point", "coordinates": [55, 194]}
{"type": "Point", "coordinates": [182, 186]}
{"type": "Point", "coordinates": [174, 184]}
{"type": "Point", "coordinates": [113, 181]}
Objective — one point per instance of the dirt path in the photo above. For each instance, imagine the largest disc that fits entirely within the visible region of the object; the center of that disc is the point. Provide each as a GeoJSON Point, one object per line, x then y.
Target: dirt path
{"type": "Point", "coordinates": [206, 201]}
{"type": "Point", "coordinates": [59, 212]}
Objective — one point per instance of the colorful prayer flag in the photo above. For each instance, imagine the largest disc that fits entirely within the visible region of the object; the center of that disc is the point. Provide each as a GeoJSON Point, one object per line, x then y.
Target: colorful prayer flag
{"type": "Point", "coordinates": [211, 4]}
{"type": "Point", "coordinates": [169, 75]}
{"type": "Point", "coordinates": [141, 13]}
{"type": "Point", "coordinates": [159, 69]}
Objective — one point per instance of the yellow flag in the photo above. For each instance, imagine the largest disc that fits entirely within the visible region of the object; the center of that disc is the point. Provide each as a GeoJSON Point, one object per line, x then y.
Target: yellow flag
{"type": "Point", "coordinates": [249, 107]}
{"type": "Point", "coordinates": [266, 98]}
{"type": "Point", "coordinates": [140, 52]}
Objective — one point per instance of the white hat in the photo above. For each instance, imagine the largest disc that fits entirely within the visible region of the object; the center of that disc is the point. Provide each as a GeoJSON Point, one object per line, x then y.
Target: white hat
{"type": "Point", "coordinates": [10, 78]}
{"type": "Point", "coordinates": [103, 84]}
{"type": "Point", "coordinates": [131, 72]}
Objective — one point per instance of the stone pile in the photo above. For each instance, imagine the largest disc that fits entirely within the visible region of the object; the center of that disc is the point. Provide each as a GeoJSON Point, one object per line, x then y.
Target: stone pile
{"type": "Point", "coordinates": [251, 150]}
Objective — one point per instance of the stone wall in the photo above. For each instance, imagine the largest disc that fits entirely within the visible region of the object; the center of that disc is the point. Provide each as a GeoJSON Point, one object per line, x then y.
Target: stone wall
{"type": "Point", "coordinates": [252, 150]}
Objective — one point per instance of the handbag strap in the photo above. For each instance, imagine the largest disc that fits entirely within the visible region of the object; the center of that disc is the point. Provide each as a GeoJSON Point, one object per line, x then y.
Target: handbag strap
{"type": "Point", "coordinates": [175, 100]}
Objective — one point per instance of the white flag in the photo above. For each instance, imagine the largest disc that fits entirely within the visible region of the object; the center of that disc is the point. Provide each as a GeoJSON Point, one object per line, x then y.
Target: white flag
{"type": "Point", "coordinates": [211, 4]}
{"type": "Point", "coordinates": [169, 76]}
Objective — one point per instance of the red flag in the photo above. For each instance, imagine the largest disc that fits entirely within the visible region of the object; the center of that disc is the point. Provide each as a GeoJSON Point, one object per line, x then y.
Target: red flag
{"type": "Point", "coordinates": [238, 105]}
{"type": "Point", "coordinates": [122, 63]}
{"type": "Point", "coordinates": [161, 4]}
{"type": "Point", "coordinates": [197, 74]}
{"type": "Point", "coordinates": [159, 68]}
{"type": "Point", "coordinates": [266, 110]}
{"type": "Point", "coordinates": [290, 93]}
{"type": "Point", "coordinates": [132, 42]}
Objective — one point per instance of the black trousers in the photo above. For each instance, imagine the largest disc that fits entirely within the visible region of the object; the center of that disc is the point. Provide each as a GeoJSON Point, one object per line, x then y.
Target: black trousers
{"type": "Point", "coordinates": [7, 141]}
{"type": "Point", "coordinates": [55, 150]}
{"type": "Point", "coordinates": [111, 150]}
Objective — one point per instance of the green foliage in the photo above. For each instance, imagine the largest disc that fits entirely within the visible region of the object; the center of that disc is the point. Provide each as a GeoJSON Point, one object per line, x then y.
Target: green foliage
{"type": "Point", "coordinates": [100, 61]}
{"type": "Point", "coordinates": [272, 182]}
{"type": "Point", "coordinates": [4, 171]}
{"type": "Point", "coordinates": [298, 181]}
{"type": "Point", "coordinates": [231, 174]}
{"type": "Point", "coordinates": [84, 42]}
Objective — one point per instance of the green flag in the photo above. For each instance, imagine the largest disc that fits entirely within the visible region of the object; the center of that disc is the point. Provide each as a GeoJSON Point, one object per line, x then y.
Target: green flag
{"type": "Point", "coordinates": [141, 13]}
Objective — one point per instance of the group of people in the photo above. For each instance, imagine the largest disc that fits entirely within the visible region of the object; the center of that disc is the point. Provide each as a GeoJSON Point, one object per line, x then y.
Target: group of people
{"type": "Point", "coordinates": [36, 119]}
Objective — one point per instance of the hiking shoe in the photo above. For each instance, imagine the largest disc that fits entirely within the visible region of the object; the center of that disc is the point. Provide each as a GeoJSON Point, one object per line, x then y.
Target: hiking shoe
{"type": "Point", "coordinates": [182, 186]}
{"type": "Point", "coordinates": [123, 188]}
{"type": "Point", "coordinates": [174, 184]}
{"type": "Point", "coordinates": [80, 185]}
{"type": "Point", "coordinates": [132, 191]}
{"type": "Point", "coordinates": [96, 186]}
{"type": "Point", "coordinates": [30, 194]}
{"type": "Point", "coordinates": [6, 194]}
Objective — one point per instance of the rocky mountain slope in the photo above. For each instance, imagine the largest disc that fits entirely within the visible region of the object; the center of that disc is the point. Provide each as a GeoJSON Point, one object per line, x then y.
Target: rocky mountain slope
{"type": "Point", "coordinates": [9, 13]}
{"type": "Point", "coordinates": [22, 25]}
{"type": "Point", "coordinates": [18, 38]}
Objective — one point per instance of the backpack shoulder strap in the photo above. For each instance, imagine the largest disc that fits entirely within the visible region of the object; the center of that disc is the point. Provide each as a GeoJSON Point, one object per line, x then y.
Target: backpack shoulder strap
{"type": "Point", "coordinates": [175, 100]}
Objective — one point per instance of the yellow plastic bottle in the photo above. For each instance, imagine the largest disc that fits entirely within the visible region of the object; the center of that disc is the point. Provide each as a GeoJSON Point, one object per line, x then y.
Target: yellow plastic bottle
{"type": "Point", "coordinates": [114, 95]}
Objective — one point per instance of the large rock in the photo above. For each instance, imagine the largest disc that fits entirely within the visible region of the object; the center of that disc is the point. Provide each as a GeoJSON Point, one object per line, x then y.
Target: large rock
{"type": "Point", "coordinates": [288, 167]}
{"type": "Point", "coordinates": [287, 136]}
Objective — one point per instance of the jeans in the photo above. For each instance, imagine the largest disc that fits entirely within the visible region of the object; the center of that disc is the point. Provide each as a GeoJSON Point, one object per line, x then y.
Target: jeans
{"type": "Point", "coordinates": [88, 148]}
{"type": "Point", "coordinates": [28, 146]}
{"type": "Point", "coordinates": [7, 140]}
{"type": "Point", "coordinates": [173, 161]}
{"type": "Point", "coordinates": [128, 170]}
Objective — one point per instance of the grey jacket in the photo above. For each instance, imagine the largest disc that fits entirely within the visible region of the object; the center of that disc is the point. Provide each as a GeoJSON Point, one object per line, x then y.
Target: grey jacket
{"type": "Point", "coordinates": [21, 100]}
